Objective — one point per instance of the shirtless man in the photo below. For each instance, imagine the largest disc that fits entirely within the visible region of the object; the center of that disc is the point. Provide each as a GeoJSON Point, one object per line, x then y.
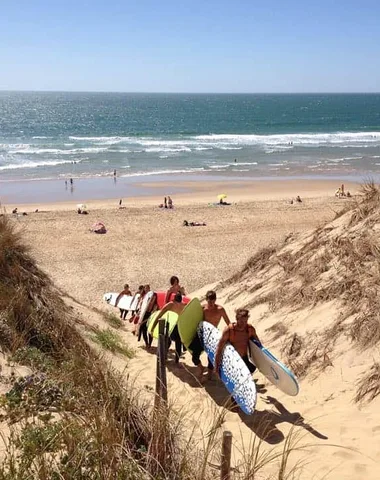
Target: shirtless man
{"type": "Point", "coordinates": [175, 287]}
{"type": "Point", "coordinates": [238, 334]}
{"type": "Point", "coordinates": [126, 291]}
{"type": "Point", "coordinates": [212, 313]}
{"type": "Point", "coordinates": [143, 330]}
{"type": "Point", "coordinates": [175, 306]}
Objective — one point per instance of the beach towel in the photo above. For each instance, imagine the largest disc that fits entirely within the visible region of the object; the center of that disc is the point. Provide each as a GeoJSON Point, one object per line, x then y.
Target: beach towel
{"type": "Point", "coordinates": [98, 227]}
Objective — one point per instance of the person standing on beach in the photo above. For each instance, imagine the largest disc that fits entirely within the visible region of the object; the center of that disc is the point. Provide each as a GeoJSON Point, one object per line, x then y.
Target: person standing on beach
{"type": "Point", "coordinates": [175, 287]}
{"type": "Point", "coordinates": [170, 202]}
{"type": "Point", "coordinates": [175, 306]}
{"type": "Point", "coordinates": [213, 314]}
{"type": "Point", "coordinates": [71, 181]}
{"type": "Point", "coordinates": [238, 334]}
{"type": "Point", "coordinates": [165, 202]}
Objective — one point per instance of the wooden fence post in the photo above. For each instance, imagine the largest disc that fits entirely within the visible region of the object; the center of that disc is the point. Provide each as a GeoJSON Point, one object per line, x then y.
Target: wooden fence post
{"type": "Point", "coordinates": [162, 360]}
{"type": "Point", "coordinates": [225, 469]}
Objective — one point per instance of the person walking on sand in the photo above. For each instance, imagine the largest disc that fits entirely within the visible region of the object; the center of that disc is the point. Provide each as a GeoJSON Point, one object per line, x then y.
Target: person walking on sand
{"type": "Point", "coordinates": [175, 306]}
{"type": "Point", "coordinates": [213, 314]}
{"type": "Point", "coordinates": [134, 317]}
{"type": "Point", "coordinates": [126, 291]}
{"type": "Point", "coordinates": [143, 331]}
{"type": "Point", "coordinates": [238, 334]}
{"type": "Point", "coordinates": [175, 287]}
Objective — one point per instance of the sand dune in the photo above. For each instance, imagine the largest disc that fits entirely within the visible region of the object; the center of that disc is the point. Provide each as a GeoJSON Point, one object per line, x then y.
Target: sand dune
{"type": "Point", "coordinates": [290, 290]}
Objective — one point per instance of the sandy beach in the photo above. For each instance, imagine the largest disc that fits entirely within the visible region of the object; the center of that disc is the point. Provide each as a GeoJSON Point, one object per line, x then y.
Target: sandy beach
{"type": "Point", "coordinates": [148, 244]}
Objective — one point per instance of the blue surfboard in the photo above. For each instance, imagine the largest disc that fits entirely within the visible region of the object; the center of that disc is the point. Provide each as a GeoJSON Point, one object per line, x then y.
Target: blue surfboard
{"type": "Point", "coordinates": [233, 371]}
{"type": "Point", "coordinates": [273, 369]}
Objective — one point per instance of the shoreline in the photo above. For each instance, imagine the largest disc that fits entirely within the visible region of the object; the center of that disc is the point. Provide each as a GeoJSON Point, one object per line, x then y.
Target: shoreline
{"type": "Point", "coordinates": [106, 192]}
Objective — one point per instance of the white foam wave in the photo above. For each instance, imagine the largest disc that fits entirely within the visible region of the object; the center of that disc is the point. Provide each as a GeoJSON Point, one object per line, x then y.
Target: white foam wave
{"type": "Point", "coordinates": [243, 163]}
{"type": "Point", "coordinates": [29, 150]}
{"type": "Point", "coordinates": [18, 166]}
{"type": "Point", "coordinates": [163, 172]}
{"type": "Point", "coordinates": [230, 148]}
{"type": "Point", "coordinates": [168, 150]}
{"type": "Point", "coordinates": [295, 139]}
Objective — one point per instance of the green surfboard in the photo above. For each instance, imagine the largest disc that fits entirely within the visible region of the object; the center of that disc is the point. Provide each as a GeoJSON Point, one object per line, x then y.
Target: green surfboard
{"type": "Point", "coordinates": [189, 320]}
{"type": "Point", "coordinates": [170, 317]}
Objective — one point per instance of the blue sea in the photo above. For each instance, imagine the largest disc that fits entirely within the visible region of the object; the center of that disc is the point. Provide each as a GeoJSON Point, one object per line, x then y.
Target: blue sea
{"type": "Point", "coordinates": [85, 135]}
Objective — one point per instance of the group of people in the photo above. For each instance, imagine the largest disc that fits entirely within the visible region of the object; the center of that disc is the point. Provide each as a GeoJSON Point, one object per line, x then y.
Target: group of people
{"type": "Point", "coordinates": [341, 193]}
{"type": "Point", "coordinates": [238, 333]}
{"type": "Point", "coordinates": [168, 203]}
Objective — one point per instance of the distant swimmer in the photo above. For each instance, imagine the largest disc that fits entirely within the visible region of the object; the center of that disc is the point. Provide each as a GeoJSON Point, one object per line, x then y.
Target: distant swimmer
{"type": "Point", "coordinates": [71, 181]}
{"type": "Point", "coordinates": [235, 160]}
{"type": "Point", "coordinates": [114, 173]}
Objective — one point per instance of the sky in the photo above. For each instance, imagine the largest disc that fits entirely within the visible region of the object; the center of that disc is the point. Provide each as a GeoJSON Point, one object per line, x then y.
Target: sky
{"type": "Point", "coordinates": [190, 46]}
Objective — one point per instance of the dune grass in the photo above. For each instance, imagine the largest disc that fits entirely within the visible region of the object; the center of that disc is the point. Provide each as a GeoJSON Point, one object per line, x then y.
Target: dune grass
{"type": "Point", "coordinates": [112, 341]}
{"type": "Point", "coordinates": [74, 417]}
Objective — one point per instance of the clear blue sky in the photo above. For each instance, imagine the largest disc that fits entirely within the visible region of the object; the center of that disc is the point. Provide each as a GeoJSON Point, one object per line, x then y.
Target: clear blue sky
{"type": "Point", "coordinates": [190, 46]}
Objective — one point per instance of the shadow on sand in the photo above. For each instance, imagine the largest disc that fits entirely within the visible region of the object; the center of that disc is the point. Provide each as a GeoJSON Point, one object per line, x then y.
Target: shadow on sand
{"type": "Point", "coordinates": [264, 423]}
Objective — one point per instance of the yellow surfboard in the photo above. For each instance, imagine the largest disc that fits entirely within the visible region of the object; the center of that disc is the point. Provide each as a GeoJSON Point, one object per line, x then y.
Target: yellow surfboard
{"type": "Point", "coordinates": [189, 320]}
{"type": "Point", "coordinates": [171, 319]}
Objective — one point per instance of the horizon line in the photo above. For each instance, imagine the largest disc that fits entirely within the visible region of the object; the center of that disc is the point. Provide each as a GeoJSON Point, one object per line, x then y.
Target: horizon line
{"type": "Point", "coordinates": [192, 93]}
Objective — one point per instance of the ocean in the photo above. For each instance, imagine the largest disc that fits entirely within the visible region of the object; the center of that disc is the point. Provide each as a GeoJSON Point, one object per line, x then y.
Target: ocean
{"type": "Point", "coordinates": [47, 135]}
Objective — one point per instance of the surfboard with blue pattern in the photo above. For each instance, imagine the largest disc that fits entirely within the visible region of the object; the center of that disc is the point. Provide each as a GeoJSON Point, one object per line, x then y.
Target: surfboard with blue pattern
{"type": "Point", "coordinates": [273, 369]}
{"type": "Point", "coordinates": [233, 371]}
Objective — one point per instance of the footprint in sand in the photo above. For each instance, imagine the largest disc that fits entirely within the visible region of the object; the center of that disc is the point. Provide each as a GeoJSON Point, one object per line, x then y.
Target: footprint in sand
{"type": "Point", "coordinates": [376, 429]}
{"type": "Point", "coordinates": [342, 454]}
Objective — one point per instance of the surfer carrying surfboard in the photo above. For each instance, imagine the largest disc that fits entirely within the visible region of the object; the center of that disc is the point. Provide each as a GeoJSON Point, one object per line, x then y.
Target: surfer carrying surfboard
{"type": "Point", "coordinates": [212, 313]}
{"type": "Point", "coordinates": [238, 334]}
{"type": "Point", "coordinates": [143, 327]}
{"type": "Point", "coordinates": [126, 291]}
{"type": "Point", "coordinates": [175, 287]}
{"type": "Point", "coordinates": [177, 307]}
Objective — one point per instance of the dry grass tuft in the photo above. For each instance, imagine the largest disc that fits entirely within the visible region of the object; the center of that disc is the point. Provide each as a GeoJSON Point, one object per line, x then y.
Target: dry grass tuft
{"type": "Point", "coordinates": [278, 330]}
{"type": "Point", "coordinates": [369, 385]}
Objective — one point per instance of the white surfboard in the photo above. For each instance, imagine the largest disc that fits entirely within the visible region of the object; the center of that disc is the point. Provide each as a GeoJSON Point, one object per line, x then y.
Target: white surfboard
{"type": "Point", "coordinates": [135, 302]}
{"type": "Point", "coordinates": [273, 369]}
{"type": "Point", "coordinates": [144, 305]}
{"type": "Point", "coordinates": [124, 302]}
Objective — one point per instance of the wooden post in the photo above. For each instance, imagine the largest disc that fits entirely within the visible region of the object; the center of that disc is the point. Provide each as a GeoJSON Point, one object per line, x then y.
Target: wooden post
{"type": "Point", "coordinates": [162, 360]}
{"type": "Point", "coordinates": [225, 469]}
